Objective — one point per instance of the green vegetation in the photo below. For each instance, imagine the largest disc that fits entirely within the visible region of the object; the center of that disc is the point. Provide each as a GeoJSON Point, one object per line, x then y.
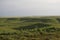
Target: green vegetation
{"type": "Point", "coordinates": [30, 28]}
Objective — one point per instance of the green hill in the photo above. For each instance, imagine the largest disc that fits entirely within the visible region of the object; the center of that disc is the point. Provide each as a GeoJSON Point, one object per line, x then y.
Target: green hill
{"type": "Point", "coordinates": [30, 28]}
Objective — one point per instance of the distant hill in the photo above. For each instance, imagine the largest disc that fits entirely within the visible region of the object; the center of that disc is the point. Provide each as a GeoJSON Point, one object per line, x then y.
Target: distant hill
{"type": "Point", "coordinates": [30, 28]}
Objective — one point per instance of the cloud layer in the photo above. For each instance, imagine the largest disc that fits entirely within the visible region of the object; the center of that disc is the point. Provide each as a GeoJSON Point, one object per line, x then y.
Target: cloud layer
{"type": "Point", "coordinates": [29, 7]}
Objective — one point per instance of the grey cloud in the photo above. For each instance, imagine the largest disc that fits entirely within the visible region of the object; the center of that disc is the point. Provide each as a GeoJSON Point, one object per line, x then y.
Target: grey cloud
{"type": "Point", "coordinates": [28, 7]}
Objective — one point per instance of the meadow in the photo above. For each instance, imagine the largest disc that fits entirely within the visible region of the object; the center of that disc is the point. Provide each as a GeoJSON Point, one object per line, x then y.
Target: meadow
{"type": "Point", "coordinates": [30, 28]}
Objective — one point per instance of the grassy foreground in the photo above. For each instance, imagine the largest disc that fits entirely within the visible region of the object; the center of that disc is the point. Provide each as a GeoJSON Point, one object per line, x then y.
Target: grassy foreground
{"type": "Point", "coordinates": [30, 28]}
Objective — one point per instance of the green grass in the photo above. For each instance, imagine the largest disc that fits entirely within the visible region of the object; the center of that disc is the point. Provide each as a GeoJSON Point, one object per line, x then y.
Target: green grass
{"type": "Point", "coordinates": [30, 28]}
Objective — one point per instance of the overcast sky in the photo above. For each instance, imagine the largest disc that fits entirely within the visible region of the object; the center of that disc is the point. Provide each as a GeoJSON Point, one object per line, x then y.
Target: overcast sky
{"type": "Point", "coordinates": [29, 7]}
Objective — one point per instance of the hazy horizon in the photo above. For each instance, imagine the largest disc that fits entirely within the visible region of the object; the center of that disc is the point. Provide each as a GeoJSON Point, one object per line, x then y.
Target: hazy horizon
{"type": "Point", "coordinates": [29, 8]}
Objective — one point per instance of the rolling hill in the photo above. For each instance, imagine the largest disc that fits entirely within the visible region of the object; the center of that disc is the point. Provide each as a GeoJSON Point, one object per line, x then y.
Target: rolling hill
{"type": "Point", "coordinates": [30, 28]}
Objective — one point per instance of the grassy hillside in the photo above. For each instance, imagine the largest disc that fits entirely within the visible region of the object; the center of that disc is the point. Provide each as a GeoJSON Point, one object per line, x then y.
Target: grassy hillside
{"type": "Point", "coordinates": [30, 28]}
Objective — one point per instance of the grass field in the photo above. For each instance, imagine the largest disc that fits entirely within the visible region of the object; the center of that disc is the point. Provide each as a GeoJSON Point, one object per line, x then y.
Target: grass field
{"type": "Point", "coordinates": [30, 28]}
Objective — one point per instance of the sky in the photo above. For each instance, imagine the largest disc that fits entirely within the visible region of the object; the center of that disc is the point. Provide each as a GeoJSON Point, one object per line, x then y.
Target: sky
{"type": "Point", "coordinates": [29, 8]}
